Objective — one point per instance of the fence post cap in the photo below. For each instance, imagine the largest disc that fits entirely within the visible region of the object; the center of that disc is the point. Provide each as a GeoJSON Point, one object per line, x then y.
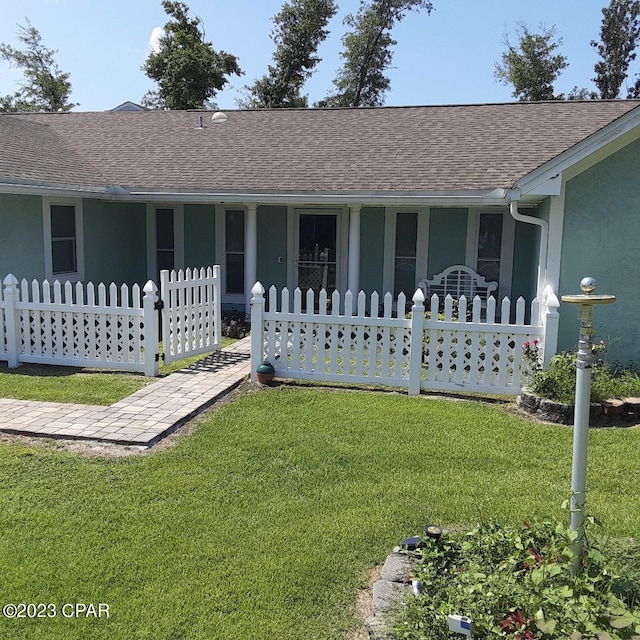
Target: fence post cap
{"type": "Point", "coordinates": [10, 280]}
{"type": "Point", "coordinates": [418, 296]}
{"type": "Point", "coordinates": [150, 287]}
{"type": "Point", "coordinates": [257, 290]}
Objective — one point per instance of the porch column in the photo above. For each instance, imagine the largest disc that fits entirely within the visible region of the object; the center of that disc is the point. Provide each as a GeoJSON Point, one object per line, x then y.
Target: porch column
{"type": "Point", "coordinates": [353, 268]}
{"type": "Point", "coordinates": [250, 253]}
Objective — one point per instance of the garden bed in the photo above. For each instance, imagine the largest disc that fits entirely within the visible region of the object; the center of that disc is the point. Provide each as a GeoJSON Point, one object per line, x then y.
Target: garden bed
{"type": "Point", "coordinates": [611, 413]}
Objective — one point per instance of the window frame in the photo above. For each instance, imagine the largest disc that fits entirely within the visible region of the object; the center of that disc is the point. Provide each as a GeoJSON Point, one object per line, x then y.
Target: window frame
{"type": "Point", "coordinates": [152, 244]}
{"type": "Point", "coordinates": [506, 250]}
{"type": "Point", "coordinates": [221, 251]}
{"type": "Point", "coordinates": [63, 276]}
{"type": "Point", "coordinates": [422, 247]}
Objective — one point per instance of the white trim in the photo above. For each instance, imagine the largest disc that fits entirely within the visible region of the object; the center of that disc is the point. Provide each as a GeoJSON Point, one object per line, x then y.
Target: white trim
{"type": "Point", "coordinates": [250, 252]}
{"type": "Point", "coordinates": [293, 243]}
{"type": "Point", "coordinates": [353, 270]}
{"type": "Point", "coordinates": [221, 252]}
{"type": "Point", "coordinates": [78, 274]}
{"type": "Point", "coordinates": [422, 245]}
{"type": "Point", "coordinates": [178, 236]}
{"type": "Point", "coordinates": [291, 249]}
{"type": "Point", "coordinates": [422, 248]}
{"type": "Point", "coordinates": [554, 245]}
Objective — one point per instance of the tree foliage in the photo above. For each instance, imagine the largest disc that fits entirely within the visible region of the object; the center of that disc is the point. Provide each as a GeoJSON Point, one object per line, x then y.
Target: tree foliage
{"type": "Point", "coordinates": [532, 67]}
{"type": "Point", "coordinates": [189, 72]}
{"type": "Point", "coordinates": [45, 87]}
{"type": "Point", "coordinates": [366, 54]}
{"type": "Point", "coordinates": [619, 35]}
{"type": "Point", "coordinates": [300, 28]}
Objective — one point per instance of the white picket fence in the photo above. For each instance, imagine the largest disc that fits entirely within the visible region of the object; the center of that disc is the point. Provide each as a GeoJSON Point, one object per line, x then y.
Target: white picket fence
{"type": "Point", "coordinates": [372, 345]}
{"type": "Point", "coordinates": [191, 312]}
{"type": "Point", "coordinates": [85, 325]}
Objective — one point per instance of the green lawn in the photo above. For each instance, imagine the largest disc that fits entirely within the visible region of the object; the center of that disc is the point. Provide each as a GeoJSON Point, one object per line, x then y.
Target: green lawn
{"type": "Point", "coordinates": [82, 386]}
{"type": "Point", "coordinates": [263, 522]}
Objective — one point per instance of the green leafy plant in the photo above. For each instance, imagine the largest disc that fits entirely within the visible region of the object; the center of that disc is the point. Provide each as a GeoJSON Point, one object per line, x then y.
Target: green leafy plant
{"type": "Point", "coordinates": [515, 582]}
{"type": "Point", "coordinates": [558, 381]}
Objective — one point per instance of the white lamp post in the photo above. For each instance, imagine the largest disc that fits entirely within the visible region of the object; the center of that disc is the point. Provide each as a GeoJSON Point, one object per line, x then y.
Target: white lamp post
{"type": "Point", "coordinates": [586, 300]}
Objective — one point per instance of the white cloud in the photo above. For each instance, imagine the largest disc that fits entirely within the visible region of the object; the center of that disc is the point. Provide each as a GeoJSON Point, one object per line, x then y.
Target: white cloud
{"type": "Point", "coordinates": [154, 39]}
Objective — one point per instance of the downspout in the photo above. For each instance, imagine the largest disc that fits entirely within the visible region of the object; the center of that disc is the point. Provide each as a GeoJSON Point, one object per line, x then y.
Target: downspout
{"type": "Point", "coordinates": [544, 241]}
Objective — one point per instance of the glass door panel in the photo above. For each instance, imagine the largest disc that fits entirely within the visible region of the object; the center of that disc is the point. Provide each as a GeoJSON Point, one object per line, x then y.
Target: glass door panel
{"type": "Point", "coordinates": [317, 252]}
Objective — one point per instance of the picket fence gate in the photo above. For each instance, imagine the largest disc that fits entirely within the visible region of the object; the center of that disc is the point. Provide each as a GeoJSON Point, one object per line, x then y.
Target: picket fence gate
{"type": "Point", "coordinates": [191, 312]}
{"type": "Point", "coordinates": [342, 339]}
{"type": "Point", "coordinates": [87, 325]}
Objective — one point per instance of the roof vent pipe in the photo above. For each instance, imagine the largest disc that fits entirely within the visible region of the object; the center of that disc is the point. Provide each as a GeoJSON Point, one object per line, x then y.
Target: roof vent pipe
{"type": "Point", "coordinates": [544, 241]}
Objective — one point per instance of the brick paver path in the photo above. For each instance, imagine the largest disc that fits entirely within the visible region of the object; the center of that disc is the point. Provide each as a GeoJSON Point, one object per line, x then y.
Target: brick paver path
{"type": "Point", "coordinates": [142, 418]}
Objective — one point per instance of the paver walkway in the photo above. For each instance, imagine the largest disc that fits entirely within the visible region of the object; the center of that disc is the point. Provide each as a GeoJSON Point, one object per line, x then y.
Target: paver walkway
{"type": "Point", "coordinates": [144, 417]}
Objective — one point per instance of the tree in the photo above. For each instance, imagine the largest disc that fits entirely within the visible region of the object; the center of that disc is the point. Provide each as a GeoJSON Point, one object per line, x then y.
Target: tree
{"type": "Point", "coordinates": [532, 67]}
{"type": "Point", "coordinates": [367, 52]}
{"type": "Point", "coordinates": [45, 87]}
{"type": "Point", "coordinates": [300, 27]}
{"type": "Point", "coordinates": [619, 35]}
{"type": "Point", "coordinates": [189, 72]}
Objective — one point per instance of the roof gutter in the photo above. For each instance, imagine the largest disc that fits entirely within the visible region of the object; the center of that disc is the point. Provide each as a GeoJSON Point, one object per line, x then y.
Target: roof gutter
{"type": "Point", "coordinates": [544, 241]}
{"type": "Point", "coordinates": [463, 198]}
{"type": "Point", "coordinates": [335, 198]}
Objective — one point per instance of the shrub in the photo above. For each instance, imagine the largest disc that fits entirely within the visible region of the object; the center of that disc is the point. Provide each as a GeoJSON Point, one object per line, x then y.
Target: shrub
{"type": "Point", "coordinates": [516, 583]}
{"type": "Point", "coordinates": [558, 381]}
{"type": "Point", "coordinates": [235, 324]}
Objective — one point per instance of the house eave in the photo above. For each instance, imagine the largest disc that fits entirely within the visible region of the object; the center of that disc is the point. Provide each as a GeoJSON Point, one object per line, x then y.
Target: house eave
{"type": "Point", "coordinates": [332, 198]}
{"type": "Point", "coordinates": [53, 190]}
{"type": "Point", "coordinates": [444, 198]}
{"type": "Point", "coordinates": [547, 179]}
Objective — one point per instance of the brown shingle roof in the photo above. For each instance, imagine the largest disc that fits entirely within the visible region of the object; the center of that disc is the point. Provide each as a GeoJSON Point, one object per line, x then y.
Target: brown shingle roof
{"type": "Point", "coordinates": [439, 148]}
{"type": "Point", "coordinates": [32, 152]}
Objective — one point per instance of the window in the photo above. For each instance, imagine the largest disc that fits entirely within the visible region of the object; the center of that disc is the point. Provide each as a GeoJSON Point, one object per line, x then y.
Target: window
{"type": "Point", "coordinates": [165, 238]}
{"type": "Point", "coordinates": [63, 240]}
{"type": "Point", "coordinates": [64, 258]}
{"type": "Point", "coordinates": [489, 246]}
{"type": "Point", "coordinates": [165, 243]}
{"type": "Point", "coordinates": [234, 250]}
{"type": "Point", "coordinates": [404, 273]}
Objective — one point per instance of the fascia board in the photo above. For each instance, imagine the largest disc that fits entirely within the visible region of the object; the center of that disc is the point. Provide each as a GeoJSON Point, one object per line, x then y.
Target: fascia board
{"type": "Point", "coordinates": [494, 197]}
{"type": "Point", "coordinates": [51, 190]}
{"type": "Point", "coordinates": [545, 179]}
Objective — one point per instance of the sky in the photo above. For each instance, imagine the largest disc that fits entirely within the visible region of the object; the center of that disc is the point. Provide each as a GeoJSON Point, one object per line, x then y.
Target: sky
{"type": "Point", "coordinates": [447, 57]}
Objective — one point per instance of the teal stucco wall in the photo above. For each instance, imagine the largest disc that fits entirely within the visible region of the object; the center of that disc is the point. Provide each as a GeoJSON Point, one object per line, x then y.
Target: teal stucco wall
{"type": "Point", "coordinates": [114, 242]}
{"type": "Point", "coordinates": [600, 239]}
{"type": "Point", "coordinates": [272, 246]}
{"type": "Point", "coordinates": [371, 249]}
{"type": "Point", "coordinates": [199, 235]}
{"type": "Point", "coordinates": [526, 250]}
{"type": "Point", "coordinates": [447, 239]}
{"type": "Point", "coordinates": [21, 237]}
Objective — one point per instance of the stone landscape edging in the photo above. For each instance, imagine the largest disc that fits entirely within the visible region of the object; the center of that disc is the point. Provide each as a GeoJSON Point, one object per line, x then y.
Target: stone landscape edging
{"type": "Point", "coordinates": [612, 413]}
{"type": "Point", "coordinates": [393, 585]}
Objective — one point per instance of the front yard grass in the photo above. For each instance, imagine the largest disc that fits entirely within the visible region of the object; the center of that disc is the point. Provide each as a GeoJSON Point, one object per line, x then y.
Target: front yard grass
{"type": "Point", "coordinates": [264, 522]}
{"type": "Point", "coordinates": [81, 386]}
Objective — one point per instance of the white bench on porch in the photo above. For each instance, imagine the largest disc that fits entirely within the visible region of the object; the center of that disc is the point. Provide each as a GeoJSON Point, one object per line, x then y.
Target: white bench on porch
{"type": "Point", "coordinates": [456, 281]}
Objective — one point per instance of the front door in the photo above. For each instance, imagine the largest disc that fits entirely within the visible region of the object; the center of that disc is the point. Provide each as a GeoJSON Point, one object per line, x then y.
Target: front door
{"type": "Point", "coordinates": [317, 250]}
